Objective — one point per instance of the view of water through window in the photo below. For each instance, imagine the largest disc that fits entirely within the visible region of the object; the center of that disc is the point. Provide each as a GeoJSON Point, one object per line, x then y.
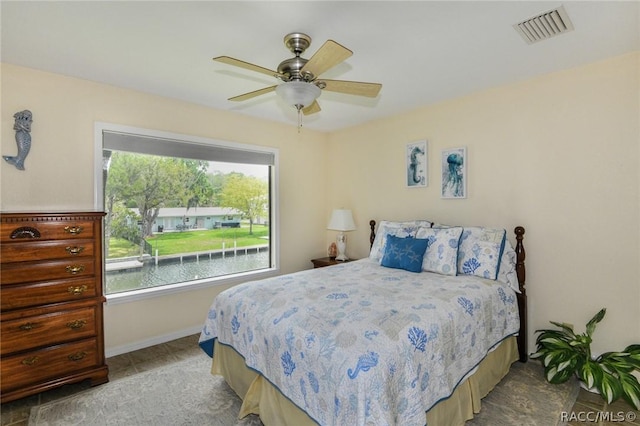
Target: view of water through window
{"type": "Point", "coordinates": [181, 218]}
{"type": "Point", "coordinates": [152, 275]}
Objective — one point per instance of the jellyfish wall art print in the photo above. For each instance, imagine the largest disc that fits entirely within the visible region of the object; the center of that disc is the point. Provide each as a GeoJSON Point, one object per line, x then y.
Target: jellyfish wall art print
{"type": "Point", "coordinates": [454, 173]}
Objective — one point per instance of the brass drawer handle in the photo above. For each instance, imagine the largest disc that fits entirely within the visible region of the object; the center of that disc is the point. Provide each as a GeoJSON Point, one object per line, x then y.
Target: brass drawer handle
{"type": "Point", "coordinates": [31, 360]}
{"type": "Point", "coordinates": [75, 325]}
{"type": "Point", "coordinates": [75, 269]}
{"type": "Point", "coordinates": [28, 326]}
{"type": "Point", "coordinates": [73, 251]}
{"type": "Point", "coordinates": [77, 356]}
{"type": "Point", "coordinates": [78, 290]}
{"type": "Point", "coordinates": [73, 230]}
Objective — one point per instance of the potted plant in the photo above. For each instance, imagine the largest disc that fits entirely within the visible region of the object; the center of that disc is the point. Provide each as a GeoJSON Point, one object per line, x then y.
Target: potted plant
{"type": "Point", "coordinates": [565, 353]}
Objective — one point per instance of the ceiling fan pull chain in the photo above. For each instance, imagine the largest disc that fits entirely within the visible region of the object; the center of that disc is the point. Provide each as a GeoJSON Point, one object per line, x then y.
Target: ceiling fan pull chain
{"type": "Point", "coordinates": [299, 118]}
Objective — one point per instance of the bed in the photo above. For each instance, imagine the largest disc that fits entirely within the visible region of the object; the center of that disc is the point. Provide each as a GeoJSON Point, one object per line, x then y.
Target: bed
{"type": "Point", "coordinates": [417, 333]}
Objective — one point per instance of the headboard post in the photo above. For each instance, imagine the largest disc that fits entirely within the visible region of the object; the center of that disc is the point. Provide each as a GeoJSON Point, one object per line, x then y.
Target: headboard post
{"type": "Point", "coordinates": [372, 235]}
{"type": "Point", "coordinates": [522, 296]}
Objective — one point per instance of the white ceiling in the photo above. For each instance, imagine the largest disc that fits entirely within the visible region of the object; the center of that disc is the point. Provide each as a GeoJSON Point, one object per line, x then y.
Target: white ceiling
{"type": "Point", "coordinates": [421, 51]}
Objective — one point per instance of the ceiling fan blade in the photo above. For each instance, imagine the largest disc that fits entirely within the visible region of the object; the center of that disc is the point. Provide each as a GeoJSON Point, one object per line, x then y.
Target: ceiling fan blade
{"type": "Point", "coordinates": [253, 94]}
{"type": "Point", "coordinates": [358, 88]}
{"type": "Point", "coordinates": [329, 55]}
{"type": "Point", "coordinates": [246, 65]}
{"type": "Point", "coordinates": [311, 109]}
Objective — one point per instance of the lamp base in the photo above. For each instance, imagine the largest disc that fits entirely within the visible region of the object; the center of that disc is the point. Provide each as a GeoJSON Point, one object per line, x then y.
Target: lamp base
{"type": "Point", "coordinates": [341, 242]}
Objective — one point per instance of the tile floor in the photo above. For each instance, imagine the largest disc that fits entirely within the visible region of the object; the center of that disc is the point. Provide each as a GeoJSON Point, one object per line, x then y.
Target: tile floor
{"type": "Point", "coordinates": [589, 409]}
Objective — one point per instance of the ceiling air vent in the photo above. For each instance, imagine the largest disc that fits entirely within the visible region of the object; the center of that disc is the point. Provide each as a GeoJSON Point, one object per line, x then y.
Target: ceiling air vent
{"type": "Point", "coordinates": [545, 25]}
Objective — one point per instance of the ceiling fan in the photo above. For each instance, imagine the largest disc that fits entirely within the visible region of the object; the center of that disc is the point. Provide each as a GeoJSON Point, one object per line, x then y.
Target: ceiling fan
{"type": "Point", "coordinates": [302, 84]}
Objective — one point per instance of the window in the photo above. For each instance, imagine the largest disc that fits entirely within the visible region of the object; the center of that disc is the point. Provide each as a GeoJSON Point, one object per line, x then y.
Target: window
{"type": "Point", "coordinates": [183, 211]}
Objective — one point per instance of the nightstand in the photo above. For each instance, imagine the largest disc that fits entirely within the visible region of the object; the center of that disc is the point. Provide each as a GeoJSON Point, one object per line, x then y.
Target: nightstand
{"type": "Point", "coordinates": [327, 261]}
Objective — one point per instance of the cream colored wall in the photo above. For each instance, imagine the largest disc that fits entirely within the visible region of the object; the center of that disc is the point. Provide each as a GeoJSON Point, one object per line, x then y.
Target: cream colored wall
{"type": "Point", "coordinates": [60, 170]}
{"type": "Point", "coordinates": [557, 154]}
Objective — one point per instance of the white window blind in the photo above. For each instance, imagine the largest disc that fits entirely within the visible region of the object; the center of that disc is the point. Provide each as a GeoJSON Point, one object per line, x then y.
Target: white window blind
{"type": "Point", "coordinates": [153, 145]}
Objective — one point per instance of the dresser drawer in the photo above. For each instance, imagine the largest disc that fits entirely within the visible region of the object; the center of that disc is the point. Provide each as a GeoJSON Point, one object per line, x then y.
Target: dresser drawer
{"type": "Point", "coordinates": [45, 250]}
{"type": "Point", "coordinates": [46, 329]}
{"type": "Point", "coordinates": [55, 361]}
{"type": "Point", "coordinates": [12, 231]}
{"type": "Point", "coordinates": [25, 295]}
{"type": "Point", "coordinates": [24, 272]}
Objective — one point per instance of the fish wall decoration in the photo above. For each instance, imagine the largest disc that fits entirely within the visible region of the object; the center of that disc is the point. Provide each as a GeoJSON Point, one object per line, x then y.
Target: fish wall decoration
{"type": "Point", "coordinates": [22, 126]}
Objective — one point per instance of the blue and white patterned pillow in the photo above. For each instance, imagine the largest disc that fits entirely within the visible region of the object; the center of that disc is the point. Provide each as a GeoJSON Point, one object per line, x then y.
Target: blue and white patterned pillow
{"type": "Point", "coordinates": [442, 252]}
{"type": "Point", "coordinates": [507, 270]}
{"type": "Point", "coordinates": [398, 229]}
{"type": "Point", "coordinates": [480, 251]}
{"type": "Point", "coordinates": [404, 253]}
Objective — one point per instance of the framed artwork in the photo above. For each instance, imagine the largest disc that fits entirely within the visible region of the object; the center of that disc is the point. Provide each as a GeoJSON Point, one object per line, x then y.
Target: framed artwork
{"type": "Point", "coordinates": [454, 173]}
{"type": "Point", "coordinates": [416, 170]}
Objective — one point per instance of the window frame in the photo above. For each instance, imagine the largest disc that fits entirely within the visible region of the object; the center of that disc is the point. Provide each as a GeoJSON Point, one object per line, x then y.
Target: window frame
{"type": "Point", "coordinates": [274, 253]}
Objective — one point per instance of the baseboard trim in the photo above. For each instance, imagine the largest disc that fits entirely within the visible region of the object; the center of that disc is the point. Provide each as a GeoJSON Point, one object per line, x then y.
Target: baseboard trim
{"type": "Point", "coordinates": [119, 350]}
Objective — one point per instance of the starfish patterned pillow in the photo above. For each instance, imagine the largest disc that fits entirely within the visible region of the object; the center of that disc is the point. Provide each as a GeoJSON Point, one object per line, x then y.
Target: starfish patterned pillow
{"type": "Point", "coordinates": [404, 253]}
{"type": "Point", "coordinates": [386, 228]}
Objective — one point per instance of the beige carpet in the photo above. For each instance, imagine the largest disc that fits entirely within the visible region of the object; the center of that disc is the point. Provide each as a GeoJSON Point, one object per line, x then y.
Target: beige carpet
{"type": "Point", "coordinates": [186, 394]}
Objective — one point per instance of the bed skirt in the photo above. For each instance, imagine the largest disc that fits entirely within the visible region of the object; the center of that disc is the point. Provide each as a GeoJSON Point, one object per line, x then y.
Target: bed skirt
{"type": "Point", "coordinates": [261, 398]}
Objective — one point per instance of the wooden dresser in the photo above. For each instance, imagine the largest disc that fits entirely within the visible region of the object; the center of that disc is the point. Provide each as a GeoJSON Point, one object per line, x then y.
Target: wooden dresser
{"type": "Point", "coordinates": [50, 301]}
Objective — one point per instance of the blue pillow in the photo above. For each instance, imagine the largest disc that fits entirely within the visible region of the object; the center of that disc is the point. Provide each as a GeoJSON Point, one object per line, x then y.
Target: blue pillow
{"type": "Point", "coordinates": [404, 253]}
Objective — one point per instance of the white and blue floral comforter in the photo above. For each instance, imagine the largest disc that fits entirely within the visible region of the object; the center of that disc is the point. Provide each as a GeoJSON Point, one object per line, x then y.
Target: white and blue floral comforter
{"type": "Point", "coordinates": [359, 343]}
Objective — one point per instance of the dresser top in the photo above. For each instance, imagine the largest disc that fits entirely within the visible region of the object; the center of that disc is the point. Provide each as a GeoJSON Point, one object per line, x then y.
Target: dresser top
{"type": "Point", "coordinates": [43, 216]}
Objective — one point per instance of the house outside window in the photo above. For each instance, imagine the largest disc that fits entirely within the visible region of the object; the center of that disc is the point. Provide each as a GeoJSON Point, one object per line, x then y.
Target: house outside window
{"type": "Point", "coordinates": [183, 212]}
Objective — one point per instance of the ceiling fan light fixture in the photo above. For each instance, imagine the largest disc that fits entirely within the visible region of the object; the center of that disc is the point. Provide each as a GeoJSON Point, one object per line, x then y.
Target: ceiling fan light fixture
{"type": "Point", "coordinates": [298, 93]}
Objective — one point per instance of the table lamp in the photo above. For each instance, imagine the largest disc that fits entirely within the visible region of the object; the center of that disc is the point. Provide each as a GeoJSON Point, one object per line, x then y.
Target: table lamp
{"type": "Point", "coordinates": [341, 220]}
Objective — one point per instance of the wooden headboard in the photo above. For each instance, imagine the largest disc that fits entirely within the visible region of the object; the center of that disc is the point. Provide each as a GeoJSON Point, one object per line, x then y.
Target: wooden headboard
{"type": "Point", "coordinates": [522, 296]}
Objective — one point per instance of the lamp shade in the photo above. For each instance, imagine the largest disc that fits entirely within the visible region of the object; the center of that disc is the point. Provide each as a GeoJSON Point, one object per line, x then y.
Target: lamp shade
{"type": "Point", "coordinates": [298, 93]}
{"type": "Point", "coordinates": [341, 220]}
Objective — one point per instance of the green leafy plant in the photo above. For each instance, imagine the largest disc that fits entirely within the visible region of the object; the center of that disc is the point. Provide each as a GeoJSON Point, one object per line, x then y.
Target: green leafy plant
{"type": "Point", "coordinates": [565, 354]}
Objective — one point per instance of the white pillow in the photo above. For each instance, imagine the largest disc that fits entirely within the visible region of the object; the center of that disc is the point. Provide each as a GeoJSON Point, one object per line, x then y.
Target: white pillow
{"type": "Point", "coordinates": [442, 252]}
{"type": "Point", "coordinates": [399, 229]}
{"type": "Point", "coordinates": [437, 225]}
{"type": "Point", "coordinates": [507, 273]}
{"type": "Point", "coordinates": [480, 251]}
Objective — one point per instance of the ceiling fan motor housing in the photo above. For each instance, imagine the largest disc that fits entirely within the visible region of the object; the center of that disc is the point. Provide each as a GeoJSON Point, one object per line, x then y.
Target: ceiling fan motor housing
{"type": "Point", "coordinates": [290, 68]}
{"type": "Point", "coordinates": [297, 43]}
